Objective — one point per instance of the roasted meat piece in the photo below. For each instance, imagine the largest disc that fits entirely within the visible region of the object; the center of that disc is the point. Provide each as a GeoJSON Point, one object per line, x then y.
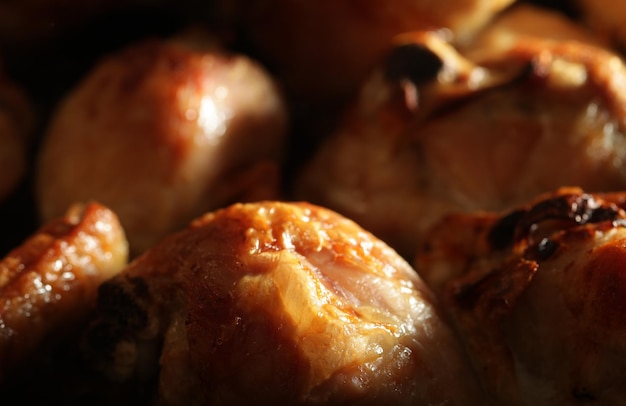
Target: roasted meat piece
{"type": "Point", "coordinates": [437, 131]}
{"type": "Point", "coordinates": [324, 49]}
{"type": "Point", "coordinates": [538, 294]}
{"type": "Point", "coordinates": [162, 131]}
{"type": "Point", "coordinates": [277, 303]}
{"type": "Point", "coordinates": [49, 284]}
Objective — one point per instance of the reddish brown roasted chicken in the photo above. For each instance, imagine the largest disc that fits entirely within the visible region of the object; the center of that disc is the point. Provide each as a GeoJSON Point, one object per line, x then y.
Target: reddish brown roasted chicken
{"type": "Point", "coordinates": [437, 131]}
{"type": "Point", "coordinates": [538, 296]}
{"type": "Point", "coordinates": [161, 132]}
{"type": "Point", "coordinates": [277, 303]}
{"type": "Point", "coordinates": [49, 284]}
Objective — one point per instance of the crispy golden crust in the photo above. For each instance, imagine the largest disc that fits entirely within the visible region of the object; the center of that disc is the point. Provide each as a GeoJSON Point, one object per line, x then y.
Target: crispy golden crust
{"type": "Point", "coordinates": [280, 303]}
{"type": "Point", "coordinates": [161, 132]}
{"type": "Point", "coordinates": [538, 296]}
{"type": "Point", "coordinates": [49, 283]}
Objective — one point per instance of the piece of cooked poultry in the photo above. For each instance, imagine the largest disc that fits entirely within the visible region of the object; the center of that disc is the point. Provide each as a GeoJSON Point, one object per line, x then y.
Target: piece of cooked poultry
{"type": "Point", "coordinates": [324, 49]}
{"type": "Point", "coordinates": [49, 283]}
{"type": "Point", "coordinates": [17, 123]}
{"type": "Point", "coordinates": [276, 303]}
{"type": "Point", "coordinates": [162, 131]}
{"type": "Point", "coordinates": [435, 132]}
{"type": "Point", "coordinates": [538, 294]}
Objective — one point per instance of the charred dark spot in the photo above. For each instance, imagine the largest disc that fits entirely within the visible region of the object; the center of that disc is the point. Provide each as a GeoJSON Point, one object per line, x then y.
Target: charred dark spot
{"type": "Point", "coordinates": [413, 62]}
{"type": "Point", "coordinates": [585, 209]}
{"type": "Point", "coordinates": [604, 213]}
{"type": "Point", "coordinates": [546, 248]}
{"type": "Point", "coordinates": [117, 302]}
{"type": "Point", "coordinates": [502, 233]}
{"type": "Point", "coordinates": [102, 337]}
{"type": "Point", "coordinates": [570, 210]}
{"type": "Point", "coordinates": [140, 287]}
{"type": "Point", "coordinates": [468, 296]}
{"type": "Point", "coordinates": [543, 250]}
{"type": "Point", "coordinates": [583, 394]}
{"type": "Point", "coordinates": [572, 207]}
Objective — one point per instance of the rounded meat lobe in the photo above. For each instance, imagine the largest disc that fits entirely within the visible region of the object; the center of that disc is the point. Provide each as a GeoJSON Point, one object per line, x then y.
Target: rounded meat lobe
{"type": "Point", "coordinates": [485, 128]}
{"type": "Point", "coordinates": [597, 296]}
{"type": "Point", "coordinates": [161, 132]}
{"type": "Point", "coordinates": [49, 283]}
{"type": "Point", "coordinates": [291, 303]}
{"type": "Point", "coordinates": [542, 316]}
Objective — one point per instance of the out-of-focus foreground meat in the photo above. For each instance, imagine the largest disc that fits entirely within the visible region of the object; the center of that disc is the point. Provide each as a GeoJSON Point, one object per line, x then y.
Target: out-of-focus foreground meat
{"type": "Point", "coordinates": [162, 131]}
{"type": "Point", "coordinates": [49, 283]}
{"type": "Point", "coordinates": [437, 131]}
{"type": "Point", "coordinates": [538, 295]}
{"type": "Point", "coordinates": [17, 123]}
{"type": "Point", "coordinates": [325, 49]}
{"type": "Point", "coordinates": [277, 303]}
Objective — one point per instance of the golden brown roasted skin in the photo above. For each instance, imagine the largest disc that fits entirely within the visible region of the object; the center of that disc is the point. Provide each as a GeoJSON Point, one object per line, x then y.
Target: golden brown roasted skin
{"type": "Point", "coordinates": [538, 295]}
{"type": "Point", "coordinates": [50, 282]}
{"type": "Point", "coordinates": [161, 132]}
{"type": "Point", "coordinates": [277, 303]}
{"type": "Point", "coordinates": [435, 131]}
{"type": "Point", "coordinates": [325, 49]}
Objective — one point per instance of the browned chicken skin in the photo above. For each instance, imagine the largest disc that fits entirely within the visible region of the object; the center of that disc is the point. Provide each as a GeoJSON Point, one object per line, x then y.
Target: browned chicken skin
{"type": "Point", "coordinates": [290, 303]}
{"type": "Point", "coordinates": [435, 131]}
{"type": "Point", "coordinates": [277, 303]}
{"type": "Point", "coordinates": [538, 295]}
{"type": "Point", "coordinates": [49, 283]}
{"type": "Point", "coordinates": [161, 132]}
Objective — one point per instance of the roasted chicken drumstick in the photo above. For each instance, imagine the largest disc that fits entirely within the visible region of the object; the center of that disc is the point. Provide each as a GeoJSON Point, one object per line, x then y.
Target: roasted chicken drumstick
{"type": "Point", "coordinates": [277, 303]}
{"type": "Point", "coordinates": [162, 131]}
{"type": "Point", "coordinates": [538, 295]}
{"type": "Point", "coordinates": [49, 283]}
